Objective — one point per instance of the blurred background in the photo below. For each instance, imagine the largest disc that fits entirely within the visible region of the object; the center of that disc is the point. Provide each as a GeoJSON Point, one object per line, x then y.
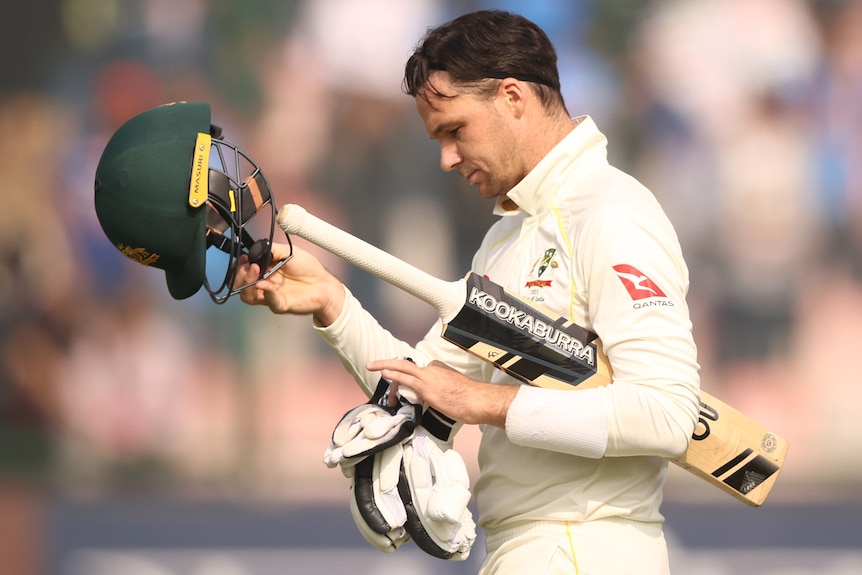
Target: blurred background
{"type": "Point", "coordinates": [146, 436]}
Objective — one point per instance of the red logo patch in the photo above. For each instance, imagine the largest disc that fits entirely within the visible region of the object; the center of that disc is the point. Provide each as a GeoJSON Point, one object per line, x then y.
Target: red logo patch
{"type": "Point", "coordinates": [637, 283]}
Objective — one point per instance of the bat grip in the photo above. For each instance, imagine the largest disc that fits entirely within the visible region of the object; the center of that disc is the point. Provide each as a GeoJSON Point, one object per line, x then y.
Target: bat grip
{"type": "Point", "coordinates": [446, 297]}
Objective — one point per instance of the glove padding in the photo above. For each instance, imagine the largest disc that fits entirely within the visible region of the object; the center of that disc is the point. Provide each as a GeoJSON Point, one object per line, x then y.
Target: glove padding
{"type": "Point", "coordinates": [405, 480]}
{"type": "Point", "coordinates": [370, 428]}
{"type": "Point", "coordinates": [375, 504]}
{"type": "Point", "coordinates": [435, 490]}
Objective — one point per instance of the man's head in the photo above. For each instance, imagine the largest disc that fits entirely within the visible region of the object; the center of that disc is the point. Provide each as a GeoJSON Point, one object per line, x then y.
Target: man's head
{"type": "Point", "coordinates": [168, 188]}
{"type": "Point", "coordinates": [482, 46]}
{"type": "Point", "coordinates": [487, 89]}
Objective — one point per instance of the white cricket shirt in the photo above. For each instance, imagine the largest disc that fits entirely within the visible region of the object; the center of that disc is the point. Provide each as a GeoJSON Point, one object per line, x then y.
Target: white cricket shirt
{"type": "Point", "coordinates": [591, 243]}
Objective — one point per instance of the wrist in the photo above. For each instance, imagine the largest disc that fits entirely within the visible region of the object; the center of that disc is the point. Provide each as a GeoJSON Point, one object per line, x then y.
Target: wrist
{"type": "Point", "coordinates": [497, 406]}
{"type": "Point", "coordinates": [331, 304]}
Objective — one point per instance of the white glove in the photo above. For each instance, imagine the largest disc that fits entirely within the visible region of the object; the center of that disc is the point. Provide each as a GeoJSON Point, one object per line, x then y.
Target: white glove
{"type": "Point", "coordinates": [435, 490]}
{"type": "Point", "coordinates": [375, 504]}
{"type": "Point", "coordinates": [370, 428]}
{"type": "Point", "coordinates": [405, 480]}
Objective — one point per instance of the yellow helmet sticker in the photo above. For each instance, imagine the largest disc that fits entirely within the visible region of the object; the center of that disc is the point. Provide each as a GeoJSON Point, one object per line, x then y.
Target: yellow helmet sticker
{"type": "Point", "coordinates": [199, 185]}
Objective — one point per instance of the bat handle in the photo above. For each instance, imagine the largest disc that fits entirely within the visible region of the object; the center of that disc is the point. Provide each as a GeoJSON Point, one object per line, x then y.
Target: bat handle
{"type": "Point", "coordinates": [446, 297]}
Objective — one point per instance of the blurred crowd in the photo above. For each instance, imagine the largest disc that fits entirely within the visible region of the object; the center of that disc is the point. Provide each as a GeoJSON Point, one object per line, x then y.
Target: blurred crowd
{"type": "Point", "coordinates": [743, 116]}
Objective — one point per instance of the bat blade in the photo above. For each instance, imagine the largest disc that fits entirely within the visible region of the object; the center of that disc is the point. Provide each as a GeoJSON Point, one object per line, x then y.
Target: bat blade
{"type": "Point", "coordinates": [728, 449]}
{"type": "Point", "coordinates": [734, 452]}
{"type": "Point", "coordinates": [522, 340]}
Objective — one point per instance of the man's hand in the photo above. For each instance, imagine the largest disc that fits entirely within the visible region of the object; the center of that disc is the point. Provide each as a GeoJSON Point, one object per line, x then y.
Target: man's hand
{"type": "Point", "coordinates": [459, 397]}
{"type": "Point", "coordinates": [302, 286]}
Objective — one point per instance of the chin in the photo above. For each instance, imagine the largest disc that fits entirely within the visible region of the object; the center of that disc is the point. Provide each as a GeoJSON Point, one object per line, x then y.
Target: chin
{"type": "Point", "coordinates": [487, 191]}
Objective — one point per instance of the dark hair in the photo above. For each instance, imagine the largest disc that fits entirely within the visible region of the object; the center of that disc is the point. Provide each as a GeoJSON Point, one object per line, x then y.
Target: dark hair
{"type": "Point", "coordinates": [484, 45]}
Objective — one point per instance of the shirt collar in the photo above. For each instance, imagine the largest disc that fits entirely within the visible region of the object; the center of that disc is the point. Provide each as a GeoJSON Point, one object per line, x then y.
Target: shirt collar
{"type": "Point", "coordinates": [531, 194]}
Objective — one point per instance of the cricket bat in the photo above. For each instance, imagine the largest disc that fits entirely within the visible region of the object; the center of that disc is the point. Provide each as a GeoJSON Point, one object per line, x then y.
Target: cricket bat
{"type": "Point", "coordinates": [728, 449]}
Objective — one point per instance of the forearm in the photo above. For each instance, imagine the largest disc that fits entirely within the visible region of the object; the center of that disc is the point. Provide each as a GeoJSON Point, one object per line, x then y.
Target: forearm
{"type": "Point", "coordinates": [573, 422]}
{"type": "Point", "coordinates": [618, 420]}
{"type": "Point", "coordinates": [647, 419]}
{"type": "Point", "coordinates": [357, 338]}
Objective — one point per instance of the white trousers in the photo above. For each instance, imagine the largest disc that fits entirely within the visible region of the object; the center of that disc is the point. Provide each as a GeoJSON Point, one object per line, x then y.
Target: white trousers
{"type": "Point", "coordinates": [612, 546]}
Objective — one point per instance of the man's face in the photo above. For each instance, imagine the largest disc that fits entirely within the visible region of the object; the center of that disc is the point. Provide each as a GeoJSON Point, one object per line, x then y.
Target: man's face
{"type": "Point", "coordinates": [475, 134]}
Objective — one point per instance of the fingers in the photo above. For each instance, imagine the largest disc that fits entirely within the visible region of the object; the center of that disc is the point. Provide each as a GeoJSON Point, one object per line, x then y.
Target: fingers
{"type": "Point", "coordinates": [398, 372]}
{"type": "Point", "coordinates": [280, 251]}
{"type": "Point", "coordinates": [301, 286]}
{"type": "Point", "coordinates": [459, 397]}
{"type": "Point", "coordinates": [421, 380]}
{"type": "Point", "coordinates": [399, 366]}
{"type": "Point", "coordinates": [248, 272]}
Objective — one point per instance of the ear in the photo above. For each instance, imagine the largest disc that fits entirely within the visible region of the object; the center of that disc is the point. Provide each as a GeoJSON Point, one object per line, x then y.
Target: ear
{"type": "Point", "coordinates": [514, 95]}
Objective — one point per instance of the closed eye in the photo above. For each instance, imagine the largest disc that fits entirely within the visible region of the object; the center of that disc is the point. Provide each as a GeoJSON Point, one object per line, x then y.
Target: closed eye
{"type": "Point", "coordinates": [443, 130]}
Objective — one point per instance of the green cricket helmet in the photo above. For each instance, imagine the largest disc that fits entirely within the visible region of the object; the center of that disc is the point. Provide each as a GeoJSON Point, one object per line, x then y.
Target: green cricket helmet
{"type": "Point", "coordinates": [168, 189]}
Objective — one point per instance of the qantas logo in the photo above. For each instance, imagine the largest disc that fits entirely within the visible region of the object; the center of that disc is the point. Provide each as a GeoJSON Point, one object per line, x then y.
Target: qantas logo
{"type": "Point", "coordinates": [637, 283]}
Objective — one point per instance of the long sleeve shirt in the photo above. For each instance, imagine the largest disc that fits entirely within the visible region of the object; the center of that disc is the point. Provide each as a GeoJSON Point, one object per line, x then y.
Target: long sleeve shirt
{"type": "Point", "coordinates": [591, 243]}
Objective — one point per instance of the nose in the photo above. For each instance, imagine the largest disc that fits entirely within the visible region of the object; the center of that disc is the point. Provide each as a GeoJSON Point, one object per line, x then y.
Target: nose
{"type": "Point", "coordinates": [449, 157]}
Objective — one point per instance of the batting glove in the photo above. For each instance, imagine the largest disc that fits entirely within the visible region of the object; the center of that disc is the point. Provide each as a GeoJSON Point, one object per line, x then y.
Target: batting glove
{"type": "Point", "coordinates": [370, 428]}
{"type": "Point", "coordinates": [375, 505]}
{"type": "Point", "coordinates": [435, 491]}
